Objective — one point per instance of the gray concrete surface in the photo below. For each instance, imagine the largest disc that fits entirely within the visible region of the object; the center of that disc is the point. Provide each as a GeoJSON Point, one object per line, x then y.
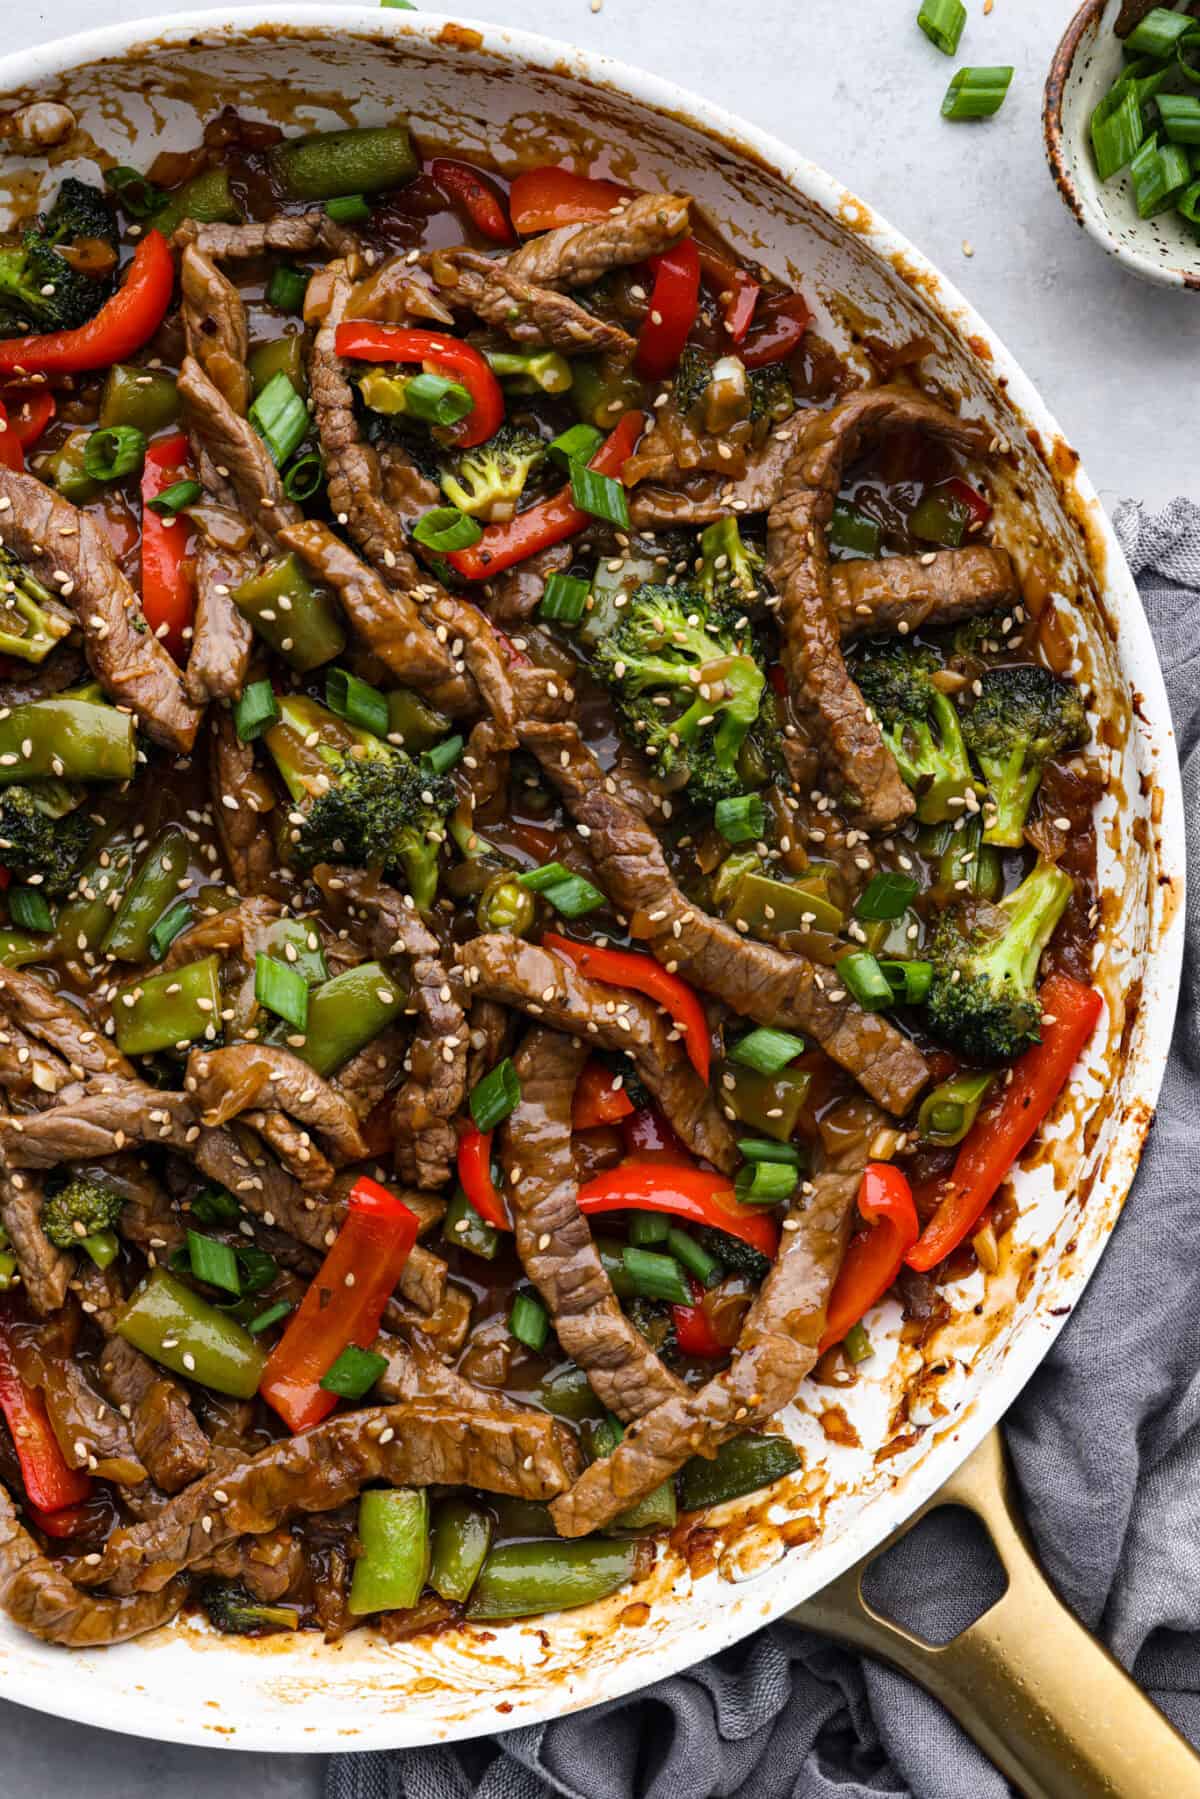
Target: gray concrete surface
{"type": "Point", "coordinates": [856, 87]}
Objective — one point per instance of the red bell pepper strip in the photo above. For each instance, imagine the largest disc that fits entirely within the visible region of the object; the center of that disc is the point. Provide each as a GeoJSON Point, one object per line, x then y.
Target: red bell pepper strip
{"type": "Point", "coordinates": [674, 302]}
{"type": "Point", "coordinates": [630, 968]}
{"type": "Point", "coordinates": [779, 328]}
{"type": "Point", "coordinates": [475, 1177]}
{"type": "Point", "coordinates": [168, 574]}
{"type": "Point", "coordinates": [691, 1193]}
{"type": "Point", "coordinates": [694, 1332]}
{"type": "Point", "coordinates": [649, 1137]}
{"type": "Point", "coordinates": [737, 291]}
{"type": "Point", "coordinates": [12, 456]}
{"type": "Point", "coordinates": [471, 192]}
{"type": "Point", "coordinates": [1010, 1119]}
{"type": "Point", "coordinates": [542, 198]}
{"type": "Point", "coordinates": [49, 1483]}
{"type": "Point", "coordinates": [874, 1257]}
{"type": "Point", "coordinates": [979, 508]}
{"type": "Point", "coordinates": [362, 341]}
{"type": "Point", "coordinates": [598, 1100]}
{"type": "Point", "coordinates": [550, 521]}
{"type": "Point", "coordinates": [343, 1305]}
{"type": "Point", "coordinates": [122, 325]}
{"type": "Point", "coordinates": [29, 413]}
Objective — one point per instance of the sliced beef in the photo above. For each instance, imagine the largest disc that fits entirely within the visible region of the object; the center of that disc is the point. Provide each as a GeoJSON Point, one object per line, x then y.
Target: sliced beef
{"type": "Point", "coordinates": [269, 1567]}
{"type": "Point", "coordinates": [166, 1436]}
{"type": "Point", "coordinates": [214, 323]}
{"type": "Point", "coordinates": [147, 1216]}
{"type": "Point", "coordinates": [29, 1070]}
{"type": "Point", "coordinates": [400, 1445]}
{"type": "Point", "coordinates": [287, 234]}
{"type": "Point", "coordinates": [241, 800]}
{"type": "Point", "coordinates": [578, 255]}
{"type": "Point", "coordinates": [44, 1269]}
{"type": "Point", "coordinates": [48, 1015]}
{"type": "Point", "coordinates": [239, 930]}
{"type": "Point", "coordinates": [489, 1029]}
{"type": "Point", "coordinates": [554, 1240]}
{"type": "Point", "coordinates": [67, 551]}
{"type": "Point", "coordinates": [42, 1600]}
{"type": "Point", "coordinates": [549, 988]}
{"type": "Point", "coordinates": [222, 640]}
{"type": "Point", "coordinates": [228, 1081]}
{"type": "Point", "coordinates": [371, 1074]}
{"type": "Point", "coordinates": [237, 452]}
{"type": "Point", "coordinates": [777, 1348]}
{"type": "Point", "coordinates": [90, 1126]}
{"type": "Point", "coordinates": [534, 316]}
{"type": "Point", "coordinates": [857, 762]}
{"type": "Point", "coordinates": [510, 690]}
{"type": "Point", "coordinates": [772, 986]}
{"type": "Point", "coordinates": [91, 1433]}
{"type": "Point", "coordinates": [294, 1147]}
{"type": "Point", "coordinates": [903, 593]}
{"type": "Point", "coordinates": [661, 493]}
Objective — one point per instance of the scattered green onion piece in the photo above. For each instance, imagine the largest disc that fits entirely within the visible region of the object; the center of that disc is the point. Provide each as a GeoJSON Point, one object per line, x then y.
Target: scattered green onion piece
{"type": "Point", "coordinates": [399, 5]}
{"type": "Point", "coordinates": [578, 444]}
{"type": "Point", "coordinates": [102, 1246]}
{"type": "Point", "coordinates": [866, 980]}
{"type": "Point", "coordinates": [1188, 203]}
{"type": "Point", "coordinates": [648, 1228]}
{"type": "Point", "coordinates": [303, 477]}
{"type": "Point", "coordinates": [852, 529]}
{"type": "Point", "coordinates": [600, 495]}
{"type": "Point", "coordinates": [215, 1206]}
{"type": "Point", "coordinates": [1117, 130]}
{"type": "Point", "coordinates": [271, 1316]}
{"type": "Point", "coordinates": [694, 1257]}
{"type": "Point", "coordinates": [857, 1345]}
{"type": "Point", "coordinates": [1158, 34]}
{"type": "Point", "coordinates": [445, 528]}
{"type": "Point", "coordinates": [540, 880]}
{"type": "Point", "coordinates": [348, 209]}
{"type": "Point", "coordinates": [436, 399]}
{"type": "Point", "coordinates": [140, 198]}
{"type": "Point", "coordinates": [356, 701]}
{"type": "Point", "coordinates": [765, 1183]}
{"type": "Point", "coordinates": [976, 93]}
{"type": "Point", "coordinates": [909, 981]}
{"type": "Point", "coordinates": [741, 818]}
{"type": "Point", "coordinates": [286, 290]}
{"type": "Point", "coordinates": [764, 1149]}
{"type": "Point", "coordinates": [1180, 115]}
{"type": "Point", "coordinates": [213, 1262]}
{"type": "Point", "coordinates": [282, 990]}
{"type": "Point", "coordinates": [114, 451]}
{"type": "Point", "coordinates": [767, 1051]}
{"type": "Point", "coordinates": [441, 757]}
{"type": "Point", "coordinates": [29, 908]}
{"type": "Point", "coordinates": [1187, 48]}
{"type": "Point", "coordinates": [175, 919]}
{"type": "Point", "coordinates": [496, 1096]}
{"type": "Point", "coordinates": [173, 499]}
{"type": "Point", "coordinates": [258, 1269]}
{"type": "Point", "coordinates": [575, 897]}
{"type": "Point", "coordinates": [256, 711]}
{"type": "Point", "coordinates": [529, 1321]}
{"type": "Point", "coordinates": [942, 22]}
{"type": "Point", "coordinates": [280, 417]}
{"type": "Point", "coordinates": [354, 1373]}
{"type": "Point", "coordinates": [655, 1276]}
{"type": "Point", "coordinates": [564, 599]}
{"type": "Point", "coordinates": [1158, 174]}
{"type": "Point", "coordinates": [887, 895]}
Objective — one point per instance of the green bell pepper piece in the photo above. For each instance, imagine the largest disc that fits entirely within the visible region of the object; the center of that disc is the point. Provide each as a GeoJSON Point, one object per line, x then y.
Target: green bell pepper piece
{"type": "Point", "coordinates": [530, 371]}
{"type": "Point", "coordinates": [519, 1580]}
{"type": "Point", "coordinates": [298, 621]}
{"type": "Point", "coordinates": [413, 723]}
{"type": "Point", "coordinates": [602, 391]}
{"type": "Point", "coordinates": [740, 1466]}
{"type": "Point", "coordinates": [297, 942]}
{"type": "Point", "coordinates": [147, 399]}
{"type": "Point", "coordinates": [207, 198]}
{"type": "Point", "coordinates": [17, 948]}
{"type": "Point", "coordinates": [169, 1009]}
{"type": "Point", "coordinates": [67, 740]}
{"type": "Point", "coordinates": [347, 1012]}
{"type": "Point", "coordinates": [770, 1104]}
{"type": "Point", "coordinates": [154, 887]}
{"type": "Point", "coordinates": [393, 1528]}
{"type": "Point", "coordinates": [87, 913]}
{"type": "Point", "coordinates": [462, 1536]}
{"type": "Point", "coordinates": [63, 469]}
{"type": "Point", "coordinates": [279, 356]}
{"type": "Point", "coordinates": [331, 163]}
{"type": "Point", "coordinates": [463, 1227]}
{"type": "Point", "coordinates": [567, 1392]}
{"type": "Point", "coordinates": [771, 908]}
{"type": "Point", "coordinates": [172, 1325]}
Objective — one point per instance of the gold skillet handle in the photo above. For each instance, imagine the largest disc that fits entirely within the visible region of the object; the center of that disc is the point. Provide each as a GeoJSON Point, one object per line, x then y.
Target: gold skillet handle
{"type": "Point", "coordinates": [1041, 1697]}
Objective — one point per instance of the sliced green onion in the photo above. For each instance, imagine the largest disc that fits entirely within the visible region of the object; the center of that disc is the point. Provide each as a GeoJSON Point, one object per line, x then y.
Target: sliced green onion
{"type": "Point", "coordinates": [29, 908]}
{"type": "Point", "coordinates": [1188, 203]}
{"type": "Point", "coordinates": [175, 919]}
{"type": "Point", "coordinates": [213, 1262]}
{"type": "Point", "coordinates": [579, 444]}
{"type": "Point", "coordinates": [942, 22]}
{"type": "Point", "coordinates": [140, 198]}
{"type": "Point", "coordinates": [356, 701]}
{"type": "Point", "coordinates": [445, 528]}
{"type": "Point", "coordinates": [529, 1321]}
{"type": "Point", "coordinates": [1158, 175]}
{"type": "Point", "coordinates": [765, 1149]}
{"type": "Point", "coordinates": [258, 1269]}
{"type": "Point", "coordinates": [280, 417]}
{"type": "Point", "coordinates": [286, 290]}
{"type": "Point", "coordinates": [271, 1316]}
{"type": "Point", "coordinates": [694, 1257]}
{"type": "Point", "coordinates": [856, 1344]}
{"type": "Point", "coordinates": [256, 711]}
{"type": "Point", "coordinates": [215, 1206]}
{"type": "Point", "coordinates": [303, 477]}
{"type": "Point", "coordinates": [1117, 129]}
{"type": "Point", "coordinates": [765, 1183]}
{"type": "Point", "coordinates": [600, 495]}
{"type": "Point", "coordinates": [173, 499]}
{"type": "Point", "coordinates": [436, 399]}
{"type": "Point", "coordinates": [575, 897]}
{"type": "Point", "coordinates": [740, 819]}
{"type": "Point", "coordinates": [115, 451]}
{"type": "Point", "coordinates": [399, 5]}
{"type": "Point", "coordinates": [852, 529]}
{"type": "Point", "coordinates": [1180, 115]}
{"type": "Point", "coordinates": [655, 1276]}
{"type": "Point", "coordinates": [564, 599]}
{"type": "Point", "coordinates": [1159, 33]}
{"type": "Point", "coordinates": [540, 880]}
{"type": "Point", "coordinates": [282, 990]}
{"type": "Point", "coordinates": [976, 93]}
{"type": "Point", "coordinates": [866, 980]}
{"type": "Point", "coordinates": [887, 895]}
{"type": "Point", "coordinates": [767, 1051]}
{"type": "Point", "coordinates": [348, 209]}
{"type": "Point", "coordinates": [441, 757]}
{"type": "Point", "coordinates": [1185, 50]}
{"type": "Point", "coordinates": [909, 981]}
{"type": "Point", "coordinates": [354, 1373]}
{"type": "Point", "coordinates": [648, 1228]}
{"type": "Point", "coordinates": [496, 1096]}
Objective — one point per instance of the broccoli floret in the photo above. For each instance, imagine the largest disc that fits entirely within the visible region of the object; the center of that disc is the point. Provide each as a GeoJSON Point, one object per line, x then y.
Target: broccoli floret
{"type": "Point", "coordinates": [31, 619]}
{"type": "Point", "coordinates": [734, 1255]}
{"type": "Point", "coordinates": [983, 997]}
{"type": "Point", "coordinates": [40, 289]}
{"type": "Point", "coordinates": [686, 686]}
{"type": "Point", "coordinates": [43, 832]}
{"type": "Point", "coordinates": [692, 375]}
{"type": "Point", "coordinates": [731, 573]}
{"type": "Point", "coordinates": [771, 393]}
{"type": "Point", "coordinates": [488, 481]}
{"type": "Point", "coordinates": [974, 638]}
{"type": "Point", "coordinates": [1023, 718]}
{"type": "Point", "coordinates": [920, 724]}
{"type": "Point", "coordinates": [233, 1609]}
{"type": "Point", "coordinates": [362, 800]}
{"type": "Point", "coordinates": [766, 393]}
{"type": "Point", "coordinates": [81, 1215]}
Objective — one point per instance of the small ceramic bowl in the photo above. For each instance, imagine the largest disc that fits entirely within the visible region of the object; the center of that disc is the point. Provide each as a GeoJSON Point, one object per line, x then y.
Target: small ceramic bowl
{"type": "Point", "coordinates": [1087, 62]}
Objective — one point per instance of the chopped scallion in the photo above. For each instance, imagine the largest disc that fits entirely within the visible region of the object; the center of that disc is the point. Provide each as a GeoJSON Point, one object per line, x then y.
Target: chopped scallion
{"type": "Point", "coordinates": [213, 1262]}
{"type": "Point", "coordinates": [1159, 33]}
{"type": "Point", "coordinates": [942, 22]}
{"type": "Point", "coordinates": [540, 880]}
{"type": "Point", "coordinates": [1180, 115]}
{"type": "Point", "coordinates": [302, 478]}
{"type": "Point", "coordinates": [866, 980]}
{"type": "Point", "coordinates": [568, 893]}
{"type": "Point", "coordinates": [1158, 173]}
{"type": "Point", "coordinates": [496, 1096]}
{"type": "Point", "coordinates": [348, 209]}
{"type": "Point", "coordinates": [445, 528]}
{"type": "Point", "coordinates": [976, 93]}
{"type": "Point", "coordinates": [740, 819]}
{"type": "Point", "coordinates": [765, 1183]}
{"type": "Point", "coordinates": [767, 1051]}
{"type": "Point", "coordinates": [655, 1276]}
{"type": "Point", "coordinates": [175, 919]}
{"type": "Point", "coordinates": [441, 757]}
{"type": "Point", "coordinates": [765, 1149]}
{"type": "Point", "coordinates": [280, 417]}
{"type": "Point", "coordinates": [282, 989]}
{"type": "Point", "coordinates": [577, 444]}
{"type": "Point", "coordinates": [356, 701]}
{"type": "Point", "coordinates": [909, 981]}
{"type": "Point", "coordinates": [271, 1316]}
{"type": "Point", "coordinates": [600, 495]}
{"type": "Point", "coordinates": [856, 1344]}
{"type": "Point", "coordinates": [114, 451]}
{"type": "Point", "coordinates": [173, 499]}
{"type": "Point", "coordinates": [256, 711]}
{"type": "Point", "coordinates": [529, 1321]}
{"type": "Point", "coordinates": [694, 1257]}
{"type": "Point", "coordinates": [354, 1373]}
{"type": "Point", "coordinates": [286, 290]}
{"type": "Point", "coordinates": [564, 599]}
{"type": "Point", "coordinates": [436, 399]}
{"type": "Point", "coordinates": [1117, 129]}
{"type": "Point", "coordinates": [29, 909]}
{"type": "Point", "coordinates": [887, 895]}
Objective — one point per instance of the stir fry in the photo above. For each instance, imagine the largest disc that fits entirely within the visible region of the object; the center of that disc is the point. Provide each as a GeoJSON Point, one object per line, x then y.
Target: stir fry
{"type": "Point", "coordinates": [548, 868]}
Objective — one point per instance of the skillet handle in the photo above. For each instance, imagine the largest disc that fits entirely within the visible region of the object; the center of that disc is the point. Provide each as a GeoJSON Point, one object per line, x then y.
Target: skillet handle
{"type": "Point", "coordinates": [1040, 1696]}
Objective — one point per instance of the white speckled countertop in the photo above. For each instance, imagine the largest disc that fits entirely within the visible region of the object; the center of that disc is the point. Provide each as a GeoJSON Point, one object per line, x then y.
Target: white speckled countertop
{"type": "Point", "coordinates": [857, 88]}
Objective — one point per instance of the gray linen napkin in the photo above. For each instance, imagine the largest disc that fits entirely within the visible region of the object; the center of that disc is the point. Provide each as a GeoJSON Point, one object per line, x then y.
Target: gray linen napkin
{"type": "Point", "coordinates": [1106, 1440]}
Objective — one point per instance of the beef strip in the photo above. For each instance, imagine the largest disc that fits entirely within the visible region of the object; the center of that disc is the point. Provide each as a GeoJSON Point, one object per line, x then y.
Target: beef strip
{"type": "Point", "coordinates": [89, 1126]}
{"type": "Point", "coordinates": [239, 930]}
{"type": "Point", "coordinates": [777, 1348]}
{"type": "Point", "coordinates": [44, 1269]}
{"type": "Point", "coordinates": [904, 593]}
{"type": "Point", "coordinates": [269, 1567]}
{"type": "Point", "coordinates": [294, 1148]}
{"type": "Point", "coordinates": [222, 640]}
{"type": "Point", "coordinates": [42, 1600]}
{"type": "Point", "coordinates": [400, 1445]}
{"type": "Point", "coordinates": [214, 323]}
{"type": "Point", "coordinates": [578, 255]}
{"type": "Point", "coordinates": [489, 1032]}
{"type": "Point", "coordinates": [508, 689]}
{"type": "Point", "coordinates": [166, 1436]}
{"type": "Point", "coordinates": [246, 838]}
{"type": "Point", "coordinates": [534, 317]}
{"type": "Point", "coordinates": [228, 1081]}
{"type": "Point", "coordinates": [554, 1240]}
{"type": "Point", "coordinates": [91, 1433]}
{"type": "Point", "coordinates": [51, 1017]}
{"type": "Point", "coordinates": [848, 739]}
{"type": "Point", "coordinates": [287, 234]}
{"type": "Point", "coordinates": [772, 986]}
{"type": "Point", "coordinates": [68, 551]}
{"type": "Point", "coordinates": [664, 494]}
{"type": "Point", "coordinates": [28, 1069]}
{"type": "Point", "coordinates": [518, 593]}
{"type": "Point", "coordinates": [371, 1074]}
{"type": "Point", "coordinates": [549, 987]}
{"type": "Point", "coordinates": [237, 452]}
